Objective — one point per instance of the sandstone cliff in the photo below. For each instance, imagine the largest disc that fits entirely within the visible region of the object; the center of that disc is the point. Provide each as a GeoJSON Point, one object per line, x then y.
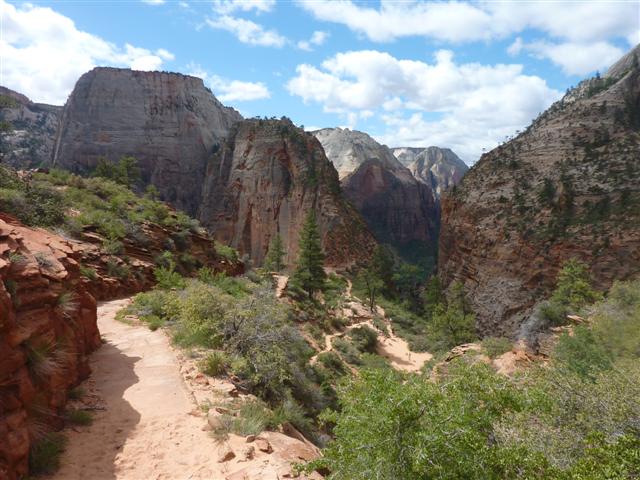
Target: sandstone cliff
{"type": "Point", "coordinates": [399, 209]}
{"type": "Point", "coordinates": [264, 180]}
{"type": "Point", "coordinates": [439, 168]}
{"type": "Point", "coordinates": [569, 186]}
{"type": "Point", "coordinates": [170, 122]}
{"type": "Point", "coordinates": [47, 329]}
{"type": "Point", "coordinates": [27, 130]}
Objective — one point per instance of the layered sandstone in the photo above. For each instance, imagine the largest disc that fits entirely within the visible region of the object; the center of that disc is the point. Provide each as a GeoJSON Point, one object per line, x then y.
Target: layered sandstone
{"type": "Point", "coordinates": [47, 329]}
{"type": "Point", "coordinates": [264, 180]}
{"type": "Point", "coordinates": [569, 186]}
{"type": "Point", "coordinates": [171, 123]}
{"type": "Point", "coordinates": [27, 130]}
{"type": "Point", "coordinates": [399, 209]}
{"type": "Point", "coordinates": [440, 168]}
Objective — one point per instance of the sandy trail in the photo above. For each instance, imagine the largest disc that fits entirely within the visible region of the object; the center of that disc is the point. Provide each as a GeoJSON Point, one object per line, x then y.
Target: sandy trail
{"type": "Point", "coordinates": [390, 346]}
{"type": "Point", "coordinates": [146, 431]}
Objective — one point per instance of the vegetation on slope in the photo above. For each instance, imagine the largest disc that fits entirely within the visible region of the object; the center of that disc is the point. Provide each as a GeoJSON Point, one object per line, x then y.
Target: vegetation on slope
{"type": "Point", "coordinates": [579, 417]}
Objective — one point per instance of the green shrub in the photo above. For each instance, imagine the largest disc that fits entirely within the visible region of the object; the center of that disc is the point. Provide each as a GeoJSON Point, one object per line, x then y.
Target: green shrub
{"type": "Point", "coordinates": [252, 419]}
{"type": "Point", "coordinates": [116, 269]}
{"type": "Point", "coordinates": [364, 338]}
{"type": "Point", "coordinates": [332, 362]}
{"type": "Point", "coordinates": [290, 411]}
{"type": "Point", "coordinates": [168, 278]}
{"type": "Point", "coordinates": [76, 393]}
{"type": "Point", "coordinates": [348, 351]}
{"type": "Point", "coordinates": [79, 417]}
{"type": "Point", "coordinates": [44, 455]}
{"type": "Point", "coordinates": [88, 272]}
{"type": "Point", "coordinates": [226, 252]}
{"type": "Point", "coordinates": [215, 364]}
{"type": "Point", "coordinates": [496, 346]}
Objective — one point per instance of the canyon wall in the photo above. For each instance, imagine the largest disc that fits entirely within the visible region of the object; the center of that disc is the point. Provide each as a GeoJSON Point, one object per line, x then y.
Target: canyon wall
{"type": "Point", "coordinates": [568, 186]}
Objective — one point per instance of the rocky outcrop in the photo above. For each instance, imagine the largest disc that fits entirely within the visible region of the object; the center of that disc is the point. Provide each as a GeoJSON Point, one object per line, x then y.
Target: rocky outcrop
{"type": "Point", "coordinates": [47, 329]}
{"type": "Point", "coordinates": [439, 168]}
{"type": "Point", "coordinates": [264, 180]}
{"type": "Point", "coordinates": [398, 209]}
{"type": "Point", "coordinates": [171, 123]}
{"type": "Point", "coordinates": [27, 130]}
{"type": "Point", "coordinates": [569, 186]}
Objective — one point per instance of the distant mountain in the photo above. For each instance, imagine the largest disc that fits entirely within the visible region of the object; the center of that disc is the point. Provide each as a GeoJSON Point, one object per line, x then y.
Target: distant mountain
{"type": "Point", "coordinates": [264, 179]}
{"type": "Point", "coordinates": [27, 130]}
{"type": "Point", "coordinates": [245, 180]}
{"type": "Point", "coordinates": [439, 168]}
{"type": "Point", "coordinates": [399, 209]}
{"type": "Point", "coordinates": [568, 186]}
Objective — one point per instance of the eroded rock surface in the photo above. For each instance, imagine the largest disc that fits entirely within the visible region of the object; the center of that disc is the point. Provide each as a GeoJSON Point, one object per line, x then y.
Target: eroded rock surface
{"type": "Point", "coordinates": [569, 186]}
{"type": "Point", "coordinates": [399, 209]}
{"type": "Point", "coordinates": [47, 329]}
{"type": "Point", "coordinates": [264, 180]}
{"type": "Point", "coordinates": [439, 168]}
{"type": "Point", "coordinates": [27, 130]}
{"type": "Point", "coordinates": [171, 123]}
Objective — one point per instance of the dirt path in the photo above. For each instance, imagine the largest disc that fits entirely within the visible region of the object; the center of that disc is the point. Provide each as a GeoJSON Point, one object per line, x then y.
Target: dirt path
{"type": "Point", "coordinates": [146, 431]}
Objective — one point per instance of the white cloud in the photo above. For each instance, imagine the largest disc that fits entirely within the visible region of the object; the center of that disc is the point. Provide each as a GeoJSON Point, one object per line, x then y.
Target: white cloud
{"type": "Point", "coordinates": [231, 90]}
{"type": "Point", "coordinates": [227, 7]}
{"type": "Point", "coordinates": [461, 21]}
{"type": "Point", "coordinates": [470, 105]}
{"type": "Point", "coordinates": [576, 58]}
{"type": "Point", "coordinates": [247, 31]}
{"type": "Point", "coordinates": [43, 53]}
{"type": "Point", "coordinates": [153, 2]}
{"type": "Point", "coordinates": [317, 38]}
{"type": "Point", "coordinates": [516, 47]}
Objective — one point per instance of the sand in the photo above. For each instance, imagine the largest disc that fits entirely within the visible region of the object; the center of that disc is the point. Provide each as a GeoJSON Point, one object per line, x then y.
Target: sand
{"type": "Point", "coordinates": [146, 430]}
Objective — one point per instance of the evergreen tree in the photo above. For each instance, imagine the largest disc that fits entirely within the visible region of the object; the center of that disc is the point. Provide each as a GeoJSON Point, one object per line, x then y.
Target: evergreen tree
{"type": "Point", "coordinates": [273, 260]}
{"type": "Point", "coordinates": [309, 274]}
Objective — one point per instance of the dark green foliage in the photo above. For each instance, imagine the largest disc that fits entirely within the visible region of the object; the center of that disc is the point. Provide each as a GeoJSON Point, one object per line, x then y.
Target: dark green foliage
{"type": "Point", "coordinates": [370, 282]}
{"type": "Point", "coordinates": [79, 417]}
{"type": "Point", "coordinates": [225, 251]}
{"type": "Point", "coordinates": [275, 255]}
{"type": "Point", "coordinates": [309, 274]}
{"type": "Point", "coordinates": [364, 338]}
{"type": "Point", "coordinates": [496, 346]}
{"type": "Point", "coordinates": [214, 363]}
{"type": "Point", "coordinates": [582, 353]}
{"type": "Point", "coordinates": [44, 455]}
{"type": "Point", "coordinates": [547, 192]}
{"type": "Point", "coordinates": [126, 172]}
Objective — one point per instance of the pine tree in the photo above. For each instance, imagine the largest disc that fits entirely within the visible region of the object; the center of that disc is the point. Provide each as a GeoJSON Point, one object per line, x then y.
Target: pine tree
{"type": "Point", "coordinates": [273, 260]}
{"type": "Point", "coordinates": [309, 274]}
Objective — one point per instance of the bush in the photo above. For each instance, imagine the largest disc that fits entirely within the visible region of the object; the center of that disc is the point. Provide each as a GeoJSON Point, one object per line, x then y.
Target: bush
{"type": "Point", "coordinates": [117, 269]}
{"type": "Point", "coordinates": [496, 346]}
{"type": "Point", "coordinates": [79, 417]}
{"type": "Point", "coordinates": [44, 455]}
{"type": "Point", "coordinates": [332, 362]}
{"type": "Point", "coordinates": [226, 252]}
{"type": "Point", "coordinates": [364, 338]}
{"type": "Point", "coordinates": [88, 272]}
{"type": "Point", "coordinates": [348, 351]}
{"type": "Point", "coordinates": [214, 364]}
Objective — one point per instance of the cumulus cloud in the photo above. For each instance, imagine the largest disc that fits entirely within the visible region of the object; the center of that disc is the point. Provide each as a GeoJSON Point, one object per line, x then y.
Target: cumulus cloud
{"type": "Point", "coordinates": [454, 21]}
{"type": "Point", "coordinates": [226, 7]}
{"type": "Point", "coordinates": [247, 31]}
{"type": "Point", "coordinates": [470, 105]}
{"type": "Point", "coordinates": [44, 53]}
{"type": "Point", "coordinates": [231, 90]}
{"type": "Point", "coordinates": [317, 38]}
{"type": "Point", "coordinates": [576, 58]}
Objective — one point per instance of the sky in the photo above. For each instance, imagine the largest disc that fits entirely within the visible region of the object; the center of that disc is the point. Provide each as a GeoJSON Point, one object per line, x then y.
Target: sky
{"type": "Point", "coordinates": [462, 75]}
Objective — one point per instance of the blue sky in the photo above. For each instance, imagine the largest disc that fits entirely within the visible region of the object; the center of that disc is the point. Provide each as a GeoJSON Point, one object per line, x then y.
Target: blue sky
{"type": "Point", "coordinates": [455, 74]}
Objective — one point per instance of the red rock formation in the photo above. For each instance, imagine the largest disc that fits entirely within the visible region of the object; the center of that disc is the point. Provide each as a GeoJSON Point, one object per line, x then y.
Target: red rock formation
{"type": "Point", "coordinates": [569, 186]}
{"type": "Point", "coordinates": [47, 329]}
{"type": "Point", "coordinates": [264, 180]}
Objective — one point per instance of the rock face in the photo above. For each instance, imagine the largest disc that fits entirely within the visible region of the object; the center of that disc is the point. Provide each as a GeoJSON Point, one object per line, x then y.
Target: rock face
{"type": "Point", "coordinates": [27, 130]}
{"type": "Point", "coordinates": [170, 122]}
{"type": "Point", "coordinates": [264, 180]}
{"type": "Point", "coordinates": [439, 168]}
{"type": "Point", "coordinates": [569, 186]}
{"type": "Point", "coordinates": [47, 329]}
{"type": "Point", "coordinates": [399, 209]}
